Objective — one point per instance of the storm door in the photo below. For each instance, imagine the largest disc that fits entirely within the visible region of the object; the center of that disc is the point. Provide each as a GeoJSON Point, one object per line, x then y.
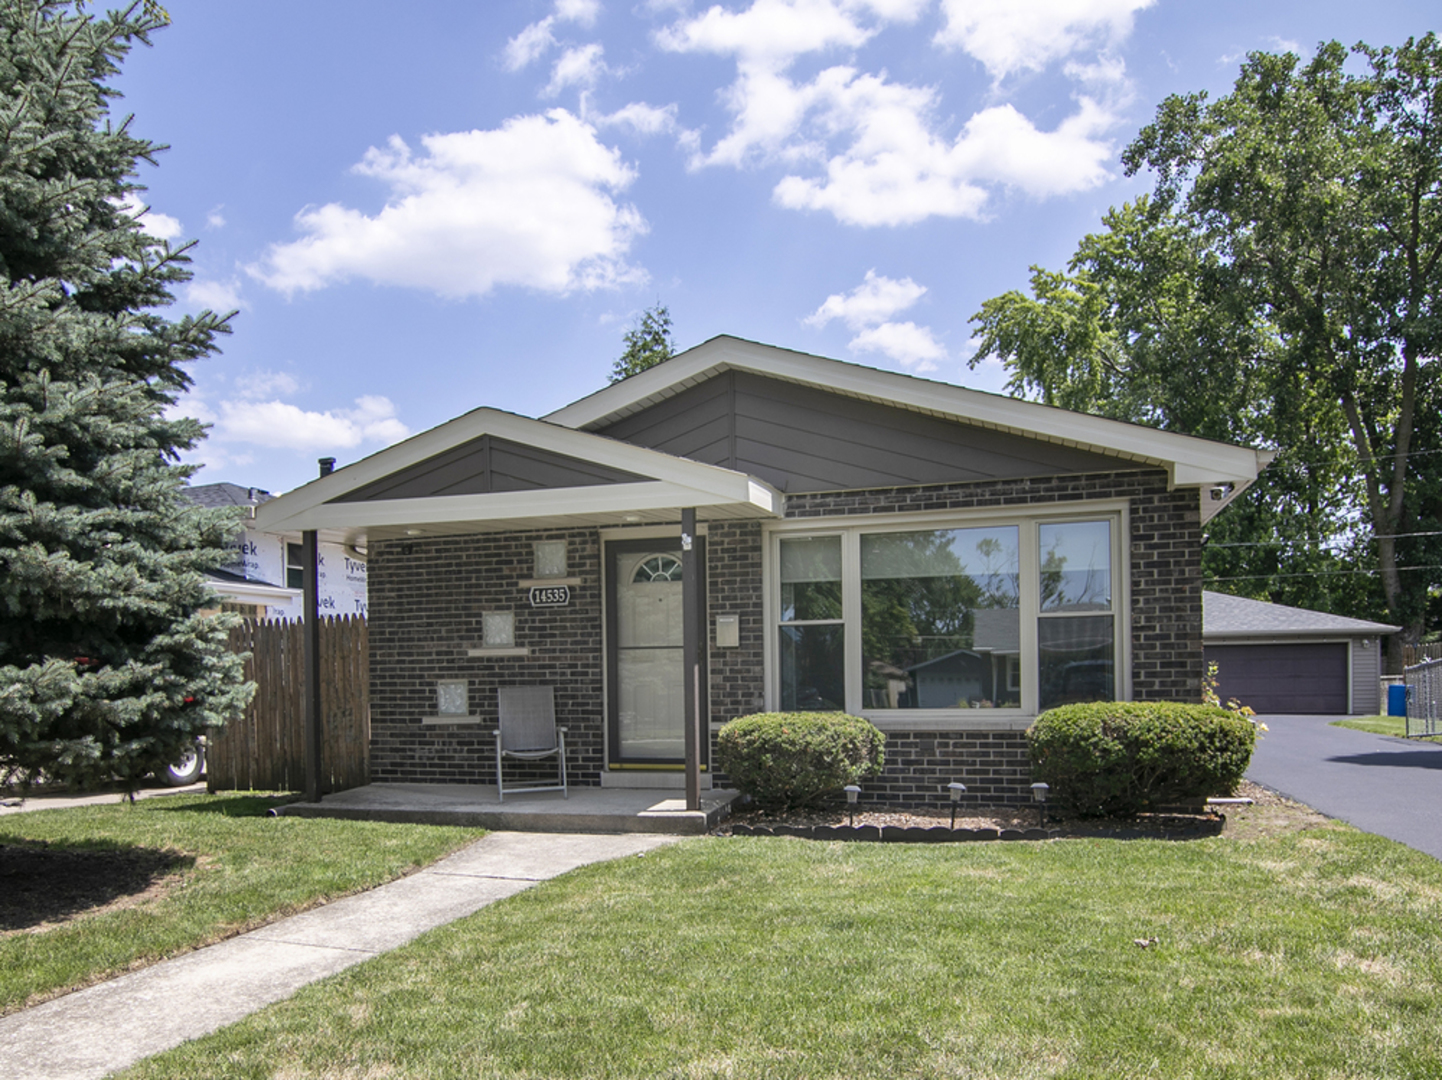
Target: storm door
{"type": "Point", "coordinates": [645, 623]}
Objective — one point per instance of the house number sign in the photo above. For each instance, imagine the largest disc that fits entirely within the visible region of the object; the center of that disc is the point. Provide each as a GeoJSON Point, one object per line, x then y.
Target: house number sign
{"type": "Point", "coordinates": [550, 596]}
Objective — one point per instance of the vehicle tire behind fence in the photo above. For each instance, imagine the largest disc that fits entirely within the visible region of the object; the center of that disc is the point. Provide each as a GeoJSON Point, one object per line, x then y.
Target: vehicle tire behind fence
{"type": "Point", "coordinates": [188, 769]}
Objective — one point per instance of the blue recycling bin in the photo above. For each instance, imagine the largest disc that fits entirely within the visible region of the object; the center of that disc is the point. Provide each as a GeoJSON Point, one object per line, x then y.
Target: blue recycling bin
{"type": "Point", "coordinates": [1397, 700]}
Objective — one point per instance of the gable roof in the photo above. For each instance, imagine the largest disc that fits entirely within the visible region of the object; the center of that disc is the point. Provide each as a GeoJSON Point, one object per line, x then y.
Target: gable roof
{"type": "Point", "coordinates": [427, 485]}
{"type": "Point", "coordinates": [1227, 616]}
{"type": "Point", "coordinates": [1222, 471]}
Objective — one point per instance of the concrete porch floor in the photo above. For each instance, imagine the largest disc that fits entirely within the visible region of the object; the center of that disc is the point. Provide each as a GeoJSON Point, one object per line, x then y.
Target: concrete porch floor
{"type": "Point", "coordinates": [588, 810]}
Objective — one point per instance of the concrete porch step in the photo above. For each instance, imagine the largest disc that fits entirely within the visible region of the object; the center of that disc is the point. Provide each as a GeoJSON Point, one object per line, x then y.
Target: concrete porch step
{"type": "Point", "coordinates": [588, 810]}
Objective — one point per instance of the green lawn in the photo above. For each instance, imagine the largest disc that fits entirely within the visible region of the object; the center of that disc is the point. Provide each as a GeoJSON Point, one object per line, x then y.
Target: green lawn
{"type": "Point", "coordinates": [239, 869]}
{"type": "Point", "coordinates": [1379, 725]}
{"type": "Point", "coordinates": [1311, 954]}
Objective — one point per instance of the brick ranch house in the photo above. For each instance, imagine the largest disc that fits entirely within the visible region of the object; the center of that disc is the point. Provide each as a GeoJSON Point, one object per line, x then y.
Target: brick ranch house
{"type": "Point", "coordinates": [945, 562]}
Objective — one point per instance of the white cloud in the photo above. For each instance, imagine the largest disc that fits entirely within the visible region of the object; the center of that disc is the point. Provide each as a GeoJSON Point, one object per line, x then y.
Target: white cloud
{"type": "Point", "coordinates": [641, 118]}
{"type": "Point", "coordinates": [868, 150]}
{"type": "Point", "coordinates": [259, 384]}
{"type": "Point", "coordinates": [535, 40]}
{"type": "Point", "coordinates": [1027, 35]}
{"type": "Point", "coordinates": [218, 296]}
{"type": "Point", "coordinates": [279, 425]}
{"type": "Point", "coordinates": [152, 222]}
{"type": "Point", "coordinates": [897, 171]}
{"type": "Point", "coordinates": [527, 204]}
{"type": "Point", "coordinates": [874, 301]}
{"type": "Point", "coordinates": [867, 310]}
{"type": "Point", "coordinates": [215, 219]}
{"type": "Point", "coordinates": [578, 11]}
{"type": "Point", "coordinates": [530, 44]}
{"type": "Point", "coordinates": [580, 66]}
{"type": "Point", "coordinates": [913, 347]}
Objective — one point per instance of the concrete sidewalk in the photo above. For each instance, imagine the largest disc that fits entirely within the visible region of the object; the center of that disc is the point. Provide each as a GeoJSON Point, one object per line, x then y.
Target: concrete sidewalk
{"type": "Point", "coordinates": [93, 1032]}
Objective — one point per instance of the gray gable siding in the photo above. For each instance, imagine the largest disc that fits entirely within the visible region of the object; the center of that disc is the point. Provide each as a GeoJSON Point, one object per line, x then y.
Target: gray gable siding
{"type": "Point", "coordinates": [487, 465]}
{"type": "Point", "coordinates": [800, 438]}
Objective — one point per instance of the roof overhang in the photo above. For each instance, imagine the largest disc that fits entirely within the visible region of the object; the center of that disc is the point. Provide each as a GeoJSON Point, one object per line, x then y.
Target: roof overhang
{"type": "Point", "coordinates": [252, 590]}
{"type": "Point", "coordinates": [668, 485]}
{"type": "Point", "coordinates": [1221, 471]}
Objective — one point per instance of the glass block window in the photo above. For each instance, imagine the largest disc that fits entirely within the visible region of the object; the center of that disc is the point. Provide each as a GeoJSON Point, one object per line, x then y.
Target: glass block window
{"type": "Point", "coordinates": [453, 697]}
{"type": "Point", "coordinates": [550, 558]}
{"type": "Point", "coordinates": [498, 629]}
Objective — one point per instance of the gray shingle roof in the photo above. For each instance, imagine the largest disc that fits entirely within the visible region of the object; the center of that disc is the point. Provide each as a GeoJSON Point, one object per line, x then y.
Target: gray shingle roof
{"type": "Point", "coordinates": [1236, 616]}
{"type": "Point", "coordinates": [213, 495]}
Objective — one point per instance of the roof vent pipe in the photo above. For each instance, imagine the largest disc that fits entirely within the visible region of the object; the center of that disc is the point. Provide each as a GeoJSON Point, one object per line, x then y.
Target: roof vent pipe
{"type": "Point", "coordinates": [327, 466]}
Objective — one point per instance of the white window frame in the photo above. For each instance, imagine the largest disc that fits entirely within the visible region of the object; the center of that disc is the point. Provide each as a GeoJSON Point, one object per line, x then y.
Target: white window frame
{"type": "Point", "coordinates": [1028, 521]}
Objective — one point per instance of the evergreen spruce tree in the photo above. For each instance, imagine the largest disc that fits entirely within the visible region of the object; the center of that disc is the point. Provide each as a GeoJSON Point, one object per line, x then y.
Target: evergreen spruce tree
{"type": "Point", "coordinates": [648, 343]}
{"type": "Point", "coordinates": [107, 667]}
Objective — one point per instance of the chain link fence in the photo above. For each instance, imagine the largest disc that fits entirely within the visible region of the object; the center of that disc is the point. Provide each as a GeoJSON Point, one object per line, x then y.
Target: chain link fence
{"type": "Point", "coordinates": [1424, 698]}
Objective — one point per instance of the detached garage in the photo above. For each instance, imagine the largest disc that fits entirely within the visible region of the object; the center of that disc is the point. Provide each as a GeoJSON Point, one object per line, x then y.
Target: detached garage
{"type": "Point", "coordinates": [1280, 659]}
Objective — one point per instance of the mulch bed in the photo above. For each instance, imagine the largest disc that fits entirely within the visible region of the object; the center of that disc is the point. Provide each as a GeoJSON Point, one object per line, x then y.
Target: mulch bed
{"type": "Point", "coordinates": [43, 884]}
{"type": "Point", "coordinates": [1007, 823]}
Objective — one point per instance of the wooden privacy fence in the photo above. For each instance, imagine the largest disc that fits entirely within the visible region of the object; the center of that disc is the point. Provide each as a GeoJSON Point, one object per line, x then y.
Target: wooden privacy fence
{"type": "Point", "coordinates": [1417, 654]}
{"type": "Point", "coordinates": [265, 748]}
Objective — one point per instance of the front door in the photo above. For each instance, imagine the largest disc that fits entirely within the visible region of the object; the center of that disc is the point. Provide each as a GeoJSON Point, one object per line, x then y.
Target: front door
{"type": "Point", "coordinates": [647, 673]}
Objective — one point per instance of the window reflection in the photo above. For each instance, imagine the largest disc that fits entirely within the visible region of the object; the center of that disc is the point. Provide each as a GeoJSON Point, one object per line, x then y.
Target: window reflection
{"type": "Point", "coordinates": [1076, 566]}
{"type": "Point", "coordinates": [940, 619]}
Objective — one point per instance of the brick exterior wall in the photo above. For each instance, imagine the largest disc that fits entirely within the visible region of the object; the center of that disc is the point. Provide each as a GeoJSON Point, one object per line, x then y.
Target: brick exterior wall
{"type": "Point", "coordinates": [426, 599]}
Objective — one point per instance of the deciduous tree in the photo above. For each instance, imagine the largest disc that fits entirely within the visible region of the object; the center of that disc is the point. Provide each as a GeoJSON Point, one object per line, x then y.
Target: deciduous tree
{"type": "Point", "coordinates": [1280, 286]}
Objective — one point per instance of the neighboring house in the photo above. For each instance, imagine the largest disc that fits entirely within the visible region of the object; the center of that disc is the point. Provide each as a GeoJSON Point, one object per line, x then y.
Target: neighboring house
{"type": "Point", "coordinates": [264, 579]}
{"type": "Point", "coordinates": [943, 561]}
{"type": "Point", "coordinates": [1280, 659]}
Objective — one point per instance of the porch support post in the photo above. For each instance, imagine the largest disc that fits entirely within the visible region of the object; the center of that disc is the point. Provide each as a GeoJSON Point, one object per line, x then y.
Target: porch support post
{"type": "Point", "coordinates": [691, 655]}
{"type": "Point", "coordinates": [311, 587]}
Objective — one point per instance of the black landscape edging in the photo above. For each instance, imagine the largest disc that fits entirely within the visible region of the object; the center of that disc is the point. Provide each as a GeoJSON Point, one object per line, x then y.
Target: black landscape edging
{"type": "Point", "coordinates": [893, 834]}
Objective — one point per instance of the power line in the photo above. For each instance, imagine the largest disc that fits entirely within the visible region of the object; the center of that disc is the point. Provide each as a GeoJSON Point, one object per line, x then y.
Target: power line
{"type": "Point", "coordinates": [1318, 573]}
{"type": "Point", "coordinates": [1318, 543]}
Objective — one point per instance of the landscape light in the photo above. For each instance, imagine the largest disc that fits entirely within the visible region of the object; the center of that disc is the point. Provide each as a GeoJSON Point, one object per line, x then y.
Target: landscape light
{"type": "Point", "coordinates": [957, 791]}
{"type": "Point", "coordinates": [1039, 792]}
{"type": "Point", "coordinates": [852, 794]}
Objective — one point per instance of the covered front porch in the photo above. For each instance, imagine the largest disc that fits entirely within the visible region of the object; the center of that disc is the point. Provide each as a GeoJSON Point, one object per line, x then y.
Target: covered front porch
{"type": "Point", "coordinates": [508, 552]}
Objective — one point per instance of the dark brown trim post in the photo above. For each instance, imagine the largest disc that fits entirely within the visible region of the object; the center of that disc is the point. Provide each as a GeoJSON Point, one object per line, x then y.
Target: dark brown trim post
{"type": "Point", "coordinates": [691, 654]}
{"type": "Point", "coordinates": [310, 582]}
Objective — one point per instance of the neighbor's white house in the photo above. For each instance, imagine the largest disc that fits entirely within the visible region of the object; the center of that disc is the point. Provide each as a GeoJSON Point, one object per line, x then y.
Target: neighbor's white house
{"type": "Point", "coordinates": [263, 581]}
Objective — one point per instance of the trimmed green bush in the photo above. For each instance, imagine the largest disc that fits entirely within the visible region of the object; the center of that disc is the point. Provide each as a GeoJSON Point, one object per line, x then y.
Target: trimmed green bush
{"type": "Point", "coordinates": [1120, 758]}
{"type": "Point", "coordinates": [789, 760]}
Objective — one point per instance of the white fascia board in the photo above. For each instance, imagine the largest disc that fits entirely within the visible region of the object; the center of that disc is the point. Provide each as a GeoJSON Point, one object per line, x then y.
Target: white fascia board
{"type": "Point", "coordinates": [1202, 460]}
{"type": "Point", "coordinates": [253, 589]}
{"type": "Point", "coordinates": [286, 511]}
{"type": "Point", "coordinates": [604, 500]}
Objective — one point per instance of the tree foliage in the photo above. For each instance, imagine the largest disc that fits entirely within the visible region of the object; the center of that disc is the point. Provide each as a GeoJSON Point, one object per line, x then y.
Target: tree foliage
{"type": "Point", "coordinates": [107, 666]}
{"type": "Point", "coordinates": [648, 343]}
{"type": "Point", "coordinates": [1280, 287]}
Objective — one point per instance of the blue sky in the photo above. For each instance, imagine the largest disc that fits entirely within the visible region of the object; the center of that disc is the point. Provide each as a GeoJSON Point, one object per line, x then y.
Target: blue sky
{"type": "Point", "coordinates": [424, 208]}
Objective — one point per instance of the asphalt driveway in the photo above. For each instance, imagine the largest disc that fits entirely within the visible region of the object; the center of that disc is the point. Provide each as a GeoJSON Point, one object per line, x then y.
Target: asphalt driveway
{"type": "Point", "coordinates": [1392, 787]}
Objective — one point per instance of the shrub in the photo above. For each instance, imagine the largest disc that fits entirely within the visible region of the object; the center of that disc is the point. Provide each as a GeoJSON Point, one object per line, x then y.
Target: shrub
{"type": "Point", "coordinates": [1124, 757]}
{"type": "Point", "coordinates": [789, 760]}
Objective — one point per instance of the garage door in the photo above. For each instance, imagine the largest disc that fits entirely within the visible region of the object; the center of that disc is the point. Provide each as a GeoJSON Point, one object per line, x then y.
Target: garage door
{"type": "Point", "coordinates": [1283, 678]}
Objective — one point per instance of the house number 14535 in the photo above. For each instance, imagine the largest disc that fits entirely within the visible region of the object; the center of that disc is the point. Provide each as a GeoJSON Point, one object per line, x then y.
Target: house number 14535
{"type": "Point", "coordinates": [550, 596]}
